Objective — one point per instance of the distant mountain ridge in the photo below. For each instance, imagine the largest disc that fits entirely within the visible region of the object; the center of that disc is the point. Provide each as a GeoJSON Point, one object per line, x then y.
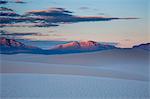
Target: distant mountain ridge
{"type": "Point", "coordinates": [143, 46]}
{"type": "Point", "coordinates": [8, 43]}
{"type": "Point", "coordinates": [77, 46]}
{"type": "Point", "coordinates": [11, 46]}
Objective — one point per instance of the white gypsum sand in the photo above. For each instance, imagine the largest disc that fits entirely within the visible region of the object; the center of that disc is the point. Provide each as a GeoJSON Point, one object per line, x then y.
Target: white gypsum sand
{"type": "Point", "coordinates": [112, 74]}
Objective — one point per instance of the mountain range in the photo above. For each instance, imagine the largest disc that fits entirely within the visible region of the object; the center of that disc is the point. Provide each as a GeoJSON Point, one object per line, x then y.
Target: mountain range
{"type": "Point", "coordinates": [143, 46]}
{"type": "Point", "coordinates": [82, 46]}
{"type": "Point", "coordinates": [11, 46]}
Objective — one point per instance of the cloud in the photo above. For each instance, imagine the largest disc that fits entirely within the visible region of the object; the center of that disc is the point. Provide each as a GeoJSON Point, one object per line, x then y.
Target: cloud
{"type": "Point", "coordinates": [47, 18]}
{"type": "Point", "coordinates": [11, 20]}
{"type": "Point", "coordinates": [23, 24]}
{"type": "Point", "coordinates": [84, 8]}
{"type": "Point", "coordinates": [6, 33]}
{"type": "Point", "coordinates": [110, 43]}
{"type": "Point", "coordinates": [16, 34]}
{"type": "Point", "coordinates": [50, 11]}
{"type": "Point", "coordinates": [8, 14]}
{"type": "Point", "coordinates": [12, 1]}
{"type": "Point", "coordinates": [60, 15]}
{"type": "Point", "coordinates": [3, 2]}
{"type": "Point", "coordinates": [19, 1]}
{"type": "Point", "coordinates": [5, 9]}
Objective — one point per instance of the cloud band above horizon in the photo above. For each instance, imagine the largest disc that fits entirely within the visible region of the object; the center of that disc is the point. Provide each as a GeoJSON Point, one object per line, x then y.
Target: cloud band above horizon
{"type": "Point", "coordinates": [46, 18]}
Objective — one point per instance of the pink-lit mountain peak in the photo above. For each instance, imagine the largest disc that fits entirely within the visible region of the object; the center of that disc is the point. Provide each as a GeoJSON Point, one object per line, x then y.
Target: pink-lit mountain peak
{"type": "Point", "coordinates": [89, 44]}
{"type": "Point", "coordinates": [82, 45]}
{"type": "Point", "coordinates": [10, 42]}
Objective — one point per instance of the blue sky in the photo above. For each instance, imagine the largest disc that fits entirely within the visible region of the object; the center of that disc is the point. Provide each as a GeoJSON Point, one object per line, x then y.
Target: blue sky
{"type": "Point", "coordinates": [119, 8]}
{"type": "Point", "coordinates": [124, 32]}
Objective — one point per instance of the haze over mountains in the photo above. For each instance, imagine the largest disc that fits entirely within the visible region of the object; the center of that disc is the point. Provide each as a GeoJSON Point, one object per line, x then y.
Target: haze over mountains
{"type": "Point", "coordinates": [11, 46]}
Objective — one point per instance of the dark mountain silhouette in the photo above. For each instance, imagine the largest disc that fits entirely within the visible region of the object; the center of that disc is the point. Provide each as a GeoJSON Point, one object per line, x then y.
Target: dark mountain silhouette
{"type": "Point", "coordinates": [143, 46]}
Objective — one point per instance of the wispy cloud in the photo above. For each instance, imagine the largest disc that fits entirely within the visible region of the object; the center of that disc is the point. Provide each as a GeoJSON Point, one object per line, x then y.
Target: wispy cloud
{"type": "Point", "coordinates": [13, 34]}
{"type": "Point", "coordinates": [5, 33]}
{"type": "Point", "coordinates": [84, 8]}
{"type": "Point", "coordinates": [46, 18]}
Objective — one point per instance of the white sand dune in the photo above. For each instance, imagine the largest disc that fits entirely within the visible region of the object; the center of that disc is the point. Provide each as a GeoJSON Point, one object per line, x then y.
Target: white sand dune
{"type": "Point", "coordinates": [42, 68]}
{"type": "Point", "coordinates": [112, 74]}
{"type": "Point", "coordinates": [129, 61]}
{"type": "Point", "coordinates": [45, 86]}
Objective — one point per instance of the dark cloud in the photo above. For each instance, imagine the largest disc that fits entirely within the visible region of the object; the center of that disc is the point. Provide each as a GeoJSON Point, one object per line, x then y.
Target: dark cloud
{"type": "Point", "coordinates": [60, 15]}
{"type": "Point", "coordinates": [5, 9]}
{"type": "Point", "coordinates": [13, 1]}
{"type": "Point", "coordinates": [6, 34]}
{"type": "Point", "coordinates": [7, 20]}
{"type": "Point", "coordinates": [8, 14]}
{"type": "Point", "coordinates": [51, 12]}
{"type": "Point", "coordinates": [47, 18]}
{"type": "Point", "coordinates": [23, 24]}
{"type": "Point", "coordinates": [3, 2]}
{"type": "Point", "coordinates": [17, 34]}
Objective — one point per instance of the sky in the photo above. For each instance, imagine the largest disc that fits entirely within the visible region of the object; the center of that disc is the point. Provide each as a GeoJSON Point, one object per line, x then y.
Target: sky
{"type": "Point", "coordinates": [124, 32]}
